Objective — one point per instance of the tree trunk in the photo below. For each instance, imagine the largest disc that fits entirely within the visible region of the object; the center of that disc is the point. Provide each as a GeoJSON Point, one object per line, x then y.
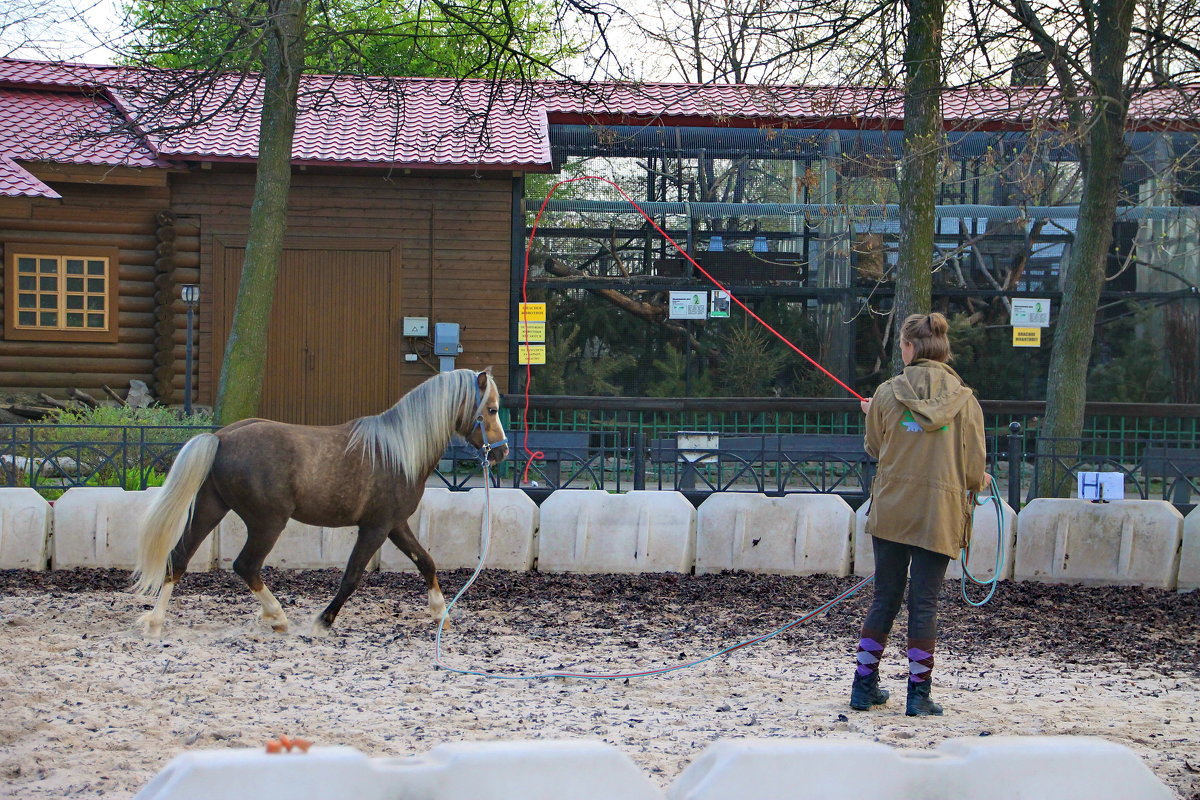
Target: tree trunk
{"type": "Point", "coordinates": [1102, 154]}
{"type": "Point", "coordinates": [922, 161]}
{"type": "Point", "coordinates": [241, 381]}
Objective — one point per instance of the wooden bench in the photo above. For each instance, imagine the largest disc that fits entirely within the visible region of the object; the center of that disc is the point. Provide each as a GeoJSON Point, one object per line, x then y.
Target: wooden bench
{"type": "Point", "coordinates": [794, 448]}
{"type": "Point", "coordinates": [556, 446]}
{"type": "Point", "coordinates": [1178, 463]}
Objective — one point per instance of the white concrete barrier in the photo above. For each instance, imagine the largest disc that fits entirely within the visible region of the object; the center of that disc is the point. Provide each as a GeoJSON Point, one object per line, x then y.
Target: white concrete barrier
{"type": "Point", "coordinates": [797, 534]}
{"type": "Point", "coordinates": [530, 770]}
{"type": "Point", "coordinates": [1189, 553]}
{"type": "Point", "coordinates": [24, 529]}
{"type": "Point", "coordinates": [983, 544]}
{"type": "Point", "coordinates": [864, 555]}
{"type": "Point", "coordinates": [300, 546]}
{"type": "Point", "coordinates": [100, 526]}
{"type": "Point", "coordinates": [1078, 541]}
{"type": "Point", "coordinates": [450, 526]}
{"type": "Point", "coordinates": [588, 530]}
{"type": "Point", "coordinates": [578, 770]}
{"type": "Point", "coordinates": [323, 772]}
{"type": "Point", "coordinates": [997, 768]}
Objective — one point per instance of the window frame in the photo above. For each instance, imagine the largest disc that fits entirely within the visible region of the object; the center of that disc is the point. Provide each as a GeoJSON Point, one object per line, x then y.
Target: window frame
{"type": "Point", "coordinates": [13, 249]}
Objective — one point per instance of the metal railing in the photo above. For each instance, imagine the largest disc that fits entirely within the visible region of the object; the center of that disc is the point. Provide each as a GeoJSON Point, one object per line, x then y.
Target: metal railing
{"type": "Point", "coordinates": [54, 458]}
{"type": "Point", "coordinates": [1119, 426]}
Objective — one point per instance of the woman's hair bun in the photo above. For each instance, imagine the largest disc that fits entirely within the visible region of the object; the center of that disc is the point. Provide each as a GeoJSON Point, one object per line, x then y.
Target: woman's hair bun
{"type": "Point", "coordinates": [938, 325]}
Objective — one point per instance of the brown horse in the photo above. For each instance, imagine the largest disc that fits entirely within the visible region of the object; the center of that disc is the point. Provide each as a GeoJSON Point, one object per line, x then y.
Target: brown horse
{"type": "Point", "coordinates": [368, 472]}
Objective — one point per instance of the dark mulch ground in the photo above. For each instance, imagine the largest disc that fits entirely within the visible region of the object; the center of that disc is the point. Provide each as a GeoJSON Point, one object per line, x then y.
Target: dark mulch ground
{"type": "Point", "coordinates": [1072, 623]}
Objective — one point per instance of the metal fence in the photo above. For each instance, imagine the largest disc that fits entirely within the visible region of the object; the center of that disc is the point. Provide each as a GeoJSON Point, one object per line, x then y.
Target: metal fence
{"type": "Point", "coordinates": [698, 463]}
{"type": "Point", "coordinates": [1116, 429]}
{"type": "Point", "coordinates": [621, 457]}
{"type": "Point", "coordinates": [54, 458]}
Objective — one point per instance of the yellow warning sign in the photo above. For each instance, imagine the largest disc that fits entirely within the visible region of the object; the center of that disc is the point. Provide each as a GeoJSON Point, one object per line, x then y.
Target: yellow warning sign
{"type": "Point", "coordinates": [531, 331]}
{"type": "Point", "coordinates": [531, 312]}
{"type": "Point", "coordinates": [531, 354]}
{"type": "Point", "coordinates": [1027, 337]}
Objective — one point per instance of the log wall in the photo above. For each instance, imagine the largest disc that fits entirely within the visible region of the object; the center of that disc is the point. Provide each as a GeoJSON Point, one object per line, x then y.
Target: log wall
{"type": "Point", "coordinates": [90, 214]}
{"type": "Point", "coordinates": [453, 235]}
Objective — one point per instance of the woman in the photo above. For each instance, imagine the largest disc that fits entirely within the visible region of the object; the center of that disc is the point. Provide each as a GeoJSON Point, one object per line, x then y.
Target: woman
{"type": "Point", "coordinates": [926, 429]}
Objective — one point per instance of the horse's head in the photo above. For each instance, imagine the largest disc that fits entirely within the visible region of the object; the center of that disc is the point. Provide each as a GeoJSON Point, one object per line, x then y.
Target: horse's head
{"type": "Point", "coordinates": [486, 431]}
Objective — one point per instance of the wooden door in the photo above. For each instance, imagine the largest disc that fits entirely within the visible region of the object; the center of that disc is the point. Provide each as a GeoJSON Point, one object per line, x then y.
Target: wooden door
{"type": "Point", "coordinates": [332, 347]}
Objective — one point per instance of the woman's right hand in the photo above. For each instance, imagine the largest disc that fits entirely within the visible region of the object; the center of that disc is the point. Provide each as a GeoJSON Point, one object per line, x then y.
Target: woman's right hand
{"type": "Point", "coordinates": [865, 405]}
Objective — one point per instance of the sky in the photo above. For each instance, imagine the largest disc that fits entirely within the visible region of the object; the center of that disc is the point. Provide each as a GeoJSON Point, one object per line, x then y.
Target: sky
{"type": "Point", "coordinates": [71, 30]}
{"type": "Point", "coordinates": [76, 30]}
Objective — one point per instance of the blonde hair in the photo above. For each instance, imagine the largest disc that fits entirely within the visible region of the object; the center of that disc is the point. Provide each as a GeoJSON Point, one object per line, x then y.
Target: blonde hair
{"type": "Point", "coordinates": [927, 335]}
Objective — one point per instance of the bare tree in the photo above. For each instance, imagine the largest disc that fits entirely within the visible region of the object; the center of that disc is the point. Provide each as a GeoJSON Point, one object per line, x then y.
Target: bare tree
{"type": "Point", "coordinates": [27, 26]}
{"type": "Point", "coordinates": [1103, 57]}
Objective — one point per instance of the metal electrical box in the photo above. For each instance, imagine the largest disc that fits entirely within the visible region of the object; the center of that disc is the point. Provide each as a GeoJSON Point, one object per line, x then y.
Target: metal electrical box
{"type": "Point", "coordinates": [416, 326]}
{"type": "Point", "coordinates": [445, 344]}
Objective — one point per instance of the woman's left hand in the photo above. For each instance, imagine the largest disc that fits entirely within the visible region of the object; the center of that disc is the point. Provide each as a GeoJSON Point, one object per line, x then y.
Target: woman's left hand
{"type": "Point", "coordinates": [865, 405]}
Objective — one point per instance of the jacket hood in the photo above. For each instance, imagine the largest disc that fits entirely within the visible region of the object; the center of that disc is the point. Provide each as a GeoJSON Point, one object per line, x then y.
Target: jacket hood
{"type": "Point", "coordinates": [932, 391]}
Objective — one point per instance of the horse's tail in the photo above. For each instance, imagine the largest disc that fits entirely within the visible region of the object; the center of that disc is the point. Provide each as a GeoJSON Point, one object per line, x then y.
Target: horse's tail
{"type": "Point", "coordinates": [170, 512]}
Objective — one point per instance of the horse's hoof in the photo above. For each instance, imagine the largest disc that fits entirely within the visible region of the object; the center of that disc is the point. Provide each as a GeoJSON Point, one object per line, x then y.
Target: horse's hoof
{"type": "Point", "coordinates": [151, 628]}
{"type": "Point", "coordinates": [277, 622]}
{"type": "Point", "coordinates": [320, 628]}
{"type": "Point", "coordinates": [444, 619]}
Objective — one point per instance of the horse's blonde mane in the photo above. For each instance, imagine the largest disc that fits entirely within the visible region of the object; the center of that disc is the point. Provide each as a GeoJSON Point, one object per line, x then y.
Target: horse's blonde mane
{"type": "Point", "coordinates": [411, 436]}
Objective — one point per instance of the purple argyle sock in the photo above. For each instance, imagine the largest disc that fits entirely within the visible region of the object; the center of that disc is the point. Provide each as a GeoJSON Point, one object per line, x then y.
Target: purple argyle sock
{"type": "Point", "coordinates": [870, 650]}
{"type": "Point", "coordinates": [920, 660]}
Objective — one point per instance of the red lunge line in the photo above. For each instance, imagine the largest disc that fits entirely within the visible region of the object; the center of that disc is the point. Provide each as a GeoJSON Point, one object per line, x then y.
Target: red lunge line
{"type": "Point", "coordinates": [525, 298]}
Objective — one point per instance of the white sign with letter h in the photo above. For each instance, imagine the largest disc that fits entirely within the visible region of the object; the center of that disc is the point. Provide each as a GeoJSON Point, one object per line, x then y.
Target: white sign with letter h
{"type": "Point", "coordinates": [1101, 485]}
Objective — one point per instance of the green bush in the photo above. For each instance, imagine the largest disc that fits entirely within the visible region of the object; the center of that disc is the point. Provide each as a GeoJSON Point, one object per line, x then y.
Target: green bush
{"type": "Point", "coordinates": [119, 415]}
{"type": "Point", "coordinates": [110, 446]}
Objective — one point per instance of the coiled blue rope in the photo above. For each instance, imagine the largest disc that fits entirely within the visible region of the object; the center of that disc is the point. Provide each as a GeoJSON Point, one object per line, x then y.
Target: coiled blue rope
{"type": "Point", "coordinates": [1001, 540]}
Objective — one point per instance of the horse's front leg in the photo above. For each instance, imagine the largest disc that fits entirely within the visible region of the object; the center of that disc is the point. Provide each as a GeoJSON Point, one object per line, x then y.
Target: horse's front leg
{"type": "Point", "coordinates": [369, 541]}
{"type": "Point", "coordinates": [403, 538]}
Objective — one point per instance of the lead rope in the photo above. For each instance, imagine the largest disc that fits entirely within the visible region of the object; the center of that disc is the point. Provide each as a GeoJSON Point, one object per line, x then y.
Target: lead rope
{"type": "Point", "coordinates": [1001, 540]}
{"type": "Point", "coordinates": [487, 483]}
{"type": "Point", "coordinates": [507, 676]}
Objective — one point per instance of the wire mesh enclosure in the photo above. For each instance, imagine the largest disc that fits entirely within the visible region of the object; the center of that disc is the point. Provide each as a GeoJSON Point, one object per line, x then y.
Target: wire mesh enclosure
{"type": "Point", "coordinates": [802, 226]}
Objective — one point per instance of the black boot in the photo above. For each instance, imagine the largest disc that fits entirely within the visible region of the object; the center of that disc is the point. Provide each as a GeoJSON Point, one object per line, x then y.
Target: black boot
{"type": "Point", "coordinates": [919, 703]}
{"type": "Point", "coordinates": [866, 692]}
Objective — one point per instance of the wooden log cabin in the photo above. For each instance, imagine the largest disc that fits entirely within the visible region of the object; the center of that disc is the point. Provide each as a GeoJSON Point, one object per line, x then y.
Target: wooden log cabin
{"type": "Point", "coordinates": [391, 215]}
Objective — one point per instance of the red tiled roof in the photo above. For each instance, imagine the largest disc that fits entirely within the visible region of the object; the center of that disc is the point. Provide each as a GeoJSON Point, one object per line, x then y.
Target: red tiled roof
{"type": "Point", "coordinates": [405, 122]}
{"type": "Point", "coordinates": [16, 182]}
{"type": "Point", "coordinates": [38, 125]}
{"type": "Point", "coordinates": [840, 106]}
{"type": "Point", "coordinates": [436, 122]}
{"type": "Point", "coordinates": [356, 121]}
{"type": "Point", "coordinates": [32, 74]}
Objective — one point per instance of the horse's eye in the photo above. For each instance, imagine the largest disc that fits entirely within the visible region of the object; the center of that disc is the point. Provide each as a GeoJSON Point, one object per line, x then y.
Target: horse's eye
{"type": "Point", "coordinates": [493, 411]}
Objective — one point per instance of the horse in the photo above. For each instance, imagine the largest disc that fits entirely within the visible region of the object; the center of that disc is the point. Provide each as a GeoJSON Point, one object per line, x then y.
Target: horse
{"type": "Point", "coordinates": [369, 472]}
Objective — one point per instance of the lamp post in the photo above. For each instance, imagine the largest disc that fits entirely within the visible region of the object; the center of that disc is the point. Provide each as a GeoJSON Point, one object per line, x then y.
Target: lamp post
{"type": "Point", "coordinates": [191, 298]}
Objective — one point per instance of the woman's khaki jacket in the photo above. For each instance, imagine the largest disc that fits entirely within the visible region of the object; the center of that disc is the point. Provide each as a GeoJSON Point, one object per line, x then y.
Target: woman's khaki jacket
{"type": "Point", "coordinates": [926, 428]}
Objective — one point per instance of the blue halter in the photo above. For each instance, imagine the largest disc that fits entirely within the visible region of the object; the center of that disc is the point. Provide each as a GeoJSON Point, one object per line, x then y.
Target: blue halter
{"type": "Point", "coordinates": [486, 447]}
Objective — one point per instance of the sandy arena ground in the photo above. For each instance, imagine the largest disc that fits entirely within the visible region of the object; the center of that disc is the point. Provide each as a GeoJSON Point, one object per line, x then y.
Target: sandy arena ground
{"type": "Point", "coordinates": [92, 710]}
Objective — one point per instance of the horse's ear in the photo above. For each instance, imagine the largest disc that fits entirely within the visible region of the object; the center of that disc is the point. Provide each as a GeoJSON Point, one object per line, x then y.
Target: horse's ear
{"type": "Point", "coordinates": [481, 380]}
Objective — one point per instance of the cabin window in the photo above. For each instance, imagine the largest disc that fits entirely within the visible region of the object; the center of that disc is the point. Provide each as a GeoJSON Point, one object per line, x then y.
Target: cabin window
{"type": "Point", "coordinates": [60, 293]}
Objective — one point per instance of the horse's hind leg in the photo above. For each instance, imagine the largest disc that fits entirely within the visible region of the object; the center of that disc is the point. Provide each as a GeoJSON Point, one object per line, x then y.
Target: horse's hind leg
{"type": "Point", "coordinates": [208, 512]}
{"type": "Point", "coordinates": [368, 543]}
{"type": "Point", "coordinates": [403, 538]}
{"type": "Point", "coordinates": [261, 536]}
